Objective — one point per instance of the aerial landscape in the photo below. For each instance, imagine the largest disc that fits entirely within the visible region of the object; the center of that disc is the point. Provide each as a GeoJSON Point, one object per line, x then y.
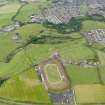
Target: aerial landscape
{"type": "Point", "coordinates": [52, 52]}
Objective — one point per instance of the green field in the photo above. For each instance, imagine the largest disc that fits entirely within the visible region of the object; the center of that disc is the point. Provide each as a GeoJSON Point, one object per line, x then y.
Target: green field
{"type": "Point", "coordinates": [101, 56]}
{"type": "Point", "coordinates": [30, 9]}
{"type": "Point", "coordinates": [24, 87]}
{"type": "Point", "coordinates": [92, 25]}
{"type": "Point", "coordinates": [5, 16]}
{"type": "Point", "coordinates": [24, 84]}
{"type": "Point", "coordinates": [52, 73]}
{"type": "Point", "coordinates": [90, 93]}
{"type": "Point", "coordinates": [81, 75]}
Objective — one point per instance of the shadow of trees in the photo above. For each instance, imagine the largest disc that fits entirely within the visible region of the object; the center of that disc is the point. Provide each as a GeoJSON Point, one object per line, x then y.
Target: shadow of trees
{"type": "Point", "coordinates": [50, 39]}
{"type": "Point", "coordinates": [74, 25]}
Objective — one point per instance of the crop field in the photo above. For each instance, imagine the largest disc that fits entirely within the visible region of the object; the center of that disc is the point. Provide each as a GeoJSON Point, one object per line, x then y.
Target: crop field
{"type": "Point", "coordinates": [93, 93]}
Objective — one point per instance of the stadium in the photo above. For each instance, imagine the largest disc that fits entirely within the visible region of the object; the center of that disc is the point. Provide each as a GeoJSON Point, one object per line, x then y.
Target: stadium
{"type": "Point", "coordinates": [53, 74]}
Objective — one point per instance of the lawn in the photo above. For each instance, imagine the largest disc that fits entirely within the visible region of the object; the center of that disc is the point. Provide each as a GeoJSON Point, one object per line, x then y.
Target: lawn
{"type": "Point", "coordinates": [81, 75]}
{"type": "Point", "coordinates": [52, 73]}
{"type": "Point", "coordinates": [90, 93]}
{"type": "Point", "coordinates": [24, 87]}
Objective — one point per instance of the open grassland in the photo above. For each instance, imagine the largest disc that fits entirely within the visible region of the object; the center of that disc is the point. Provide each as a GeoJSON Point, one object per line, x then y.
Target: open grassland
{"type": "Point", "coordinates": [24, 87]}
{"type": "Point", "coordinates": [76, 50]}
{"type": "Point", "coordinates": [70, 48]}
{"type": "Point", "coordinates": [90, 93]}
{"type": "Point", "coordinates": [30, 30]}
{"type": "Point", "coordinates": [92, 25]}
{"type": "Point", "coordinates": [9, 8]}
{"type": "Point", "coordinates": [81, 75]}
{"type": "Point", "coordinates": [101, 56]}
{"type": "Point", "coordinates": [5, 19]}
{"type": "Point", "coordinates": [18, 64]}
{"type": "Point", "coordinates": [7, 44]}
{"type": "Point", "coordinates": [7, 12]}
{"type": "Point", "coordinates": [30, 9]}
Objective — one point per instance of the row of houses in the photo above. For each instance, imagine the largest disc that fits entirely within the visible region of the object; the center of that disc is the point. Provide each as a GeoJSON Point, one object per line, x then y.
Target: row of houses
{"type": "Point", "coordinates": [64, 10]}
{"type": "Point", "coordinates": [96, 36]}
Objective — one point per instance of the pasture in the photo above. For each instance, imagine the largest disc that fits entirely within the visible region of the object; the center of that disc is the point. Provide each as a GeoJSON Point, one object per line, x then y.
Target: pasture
{"type": "Point", "coordinates": [30, 9]}
{"type": "Point", "coordinates": [90, 93]}
{"type": "Point", "coordinates": [25, 87]}
{"type": "Point", "coordinates": [24, 84]}
{"type": "Point", "coordinates": [81, 75]}
{"type": "Point", "coordinates": [89, 25]}
{"type": "Point", "coordinates": [101, 56]}
{"type": "Point", "coordinates": [12, 8]}
{"type": "Point", "coordinates": [7, 12]}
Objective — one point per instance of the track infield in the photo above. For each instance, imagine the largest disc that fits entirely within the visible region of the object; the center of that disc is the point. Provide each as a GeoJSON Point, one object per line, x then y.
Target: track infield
{"type": "Point", "coordinates": [52, 73]}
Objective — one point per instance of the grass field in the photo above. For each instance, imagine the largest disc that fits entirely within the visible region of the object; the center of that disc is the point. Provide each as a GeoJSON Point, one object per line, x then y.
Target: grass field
{"type": "Point", "coordinates": [7, 45]}
{"type": "Point", "coordinates": [18, 64]}
{"type": "Point", "coordinates": [101, 56]}
{"type": "Point", "coordinates": [12, 8]}
{"type": "Point", "coordinates": [29, 9]}
{"type": "Point", "coordinates": [24, 84]}
{"type": "Point", "coordinates": [81, 75]}
{"type": "Point", "coordinates": [7, 12]}
{"type": "Point", "coordinates": [52, 72]}
{"type": "Point", "coordinates": [90, 93]}
{"type": "Point", "coordinates": [30, 30]}
{"type": "Point", "coordinates": [25, 87]}
{"type": "Point", "coordinates": [5, 20]}
{"type": "Point", "coordinates": [92, 25]}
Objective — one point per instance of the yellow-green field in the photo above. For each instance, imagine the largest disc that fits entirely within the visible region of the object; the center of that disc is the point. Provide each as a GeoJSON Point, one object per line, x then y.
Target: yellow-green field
{"type": "Point", "coordinates": [24, 84]}
{"type": "Point", "coordinates": [9, 8]}
{"type": "Point", "coordinates": [90, 93]}
{"type": "Point", "coordinates": [25, 87]}
{"type": "Point", "coordinates": [52, 73]}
